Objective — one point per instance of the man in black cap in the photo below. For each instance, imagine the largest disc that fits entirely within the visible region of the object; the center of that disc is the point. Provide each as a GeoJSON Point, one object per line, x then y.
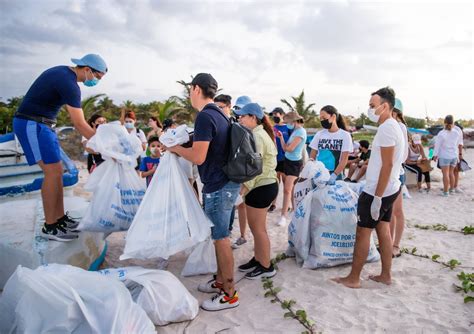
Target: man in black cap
{"type": "Point", "coordinates": [209, 152]}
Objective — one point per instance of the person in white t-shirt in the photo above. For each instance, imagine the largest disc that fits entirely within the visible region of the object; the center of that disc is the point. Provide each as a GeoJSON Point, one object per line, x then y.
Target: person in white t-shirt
{"type": "Point", "coordinates": [397, 224]}
{"type": "Point", "coordinates": [446, 152]}
{"type": "Point", "coordinates": [458, 129]}
{"type": "Point", "coordinates": [333, 144]}
{"type": "Point", "coordinates": [374, 208]}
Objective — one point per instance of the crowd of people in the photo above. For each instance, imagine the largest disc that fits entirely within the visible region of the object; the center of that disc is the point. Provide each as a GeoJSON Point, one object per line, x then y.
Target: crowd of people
{"type": "Point", "coordinates": [280, 138]}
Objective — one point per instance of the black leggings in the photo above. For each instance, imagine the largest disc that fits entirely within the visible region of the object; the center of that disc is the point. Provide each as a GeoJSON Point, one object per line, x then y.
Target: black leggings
{"type": "Point", "coordinates": [419, 173]}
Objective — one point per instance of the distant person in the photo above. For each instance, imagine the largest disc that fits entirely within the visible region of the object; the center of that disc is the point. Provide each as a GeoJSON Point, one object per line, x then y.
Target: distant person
{"type": "Point", "coordinates": [209, 151]}
{"type": "Point", "coordinates": [156, 127]}
{"type": "Point", "coordinates": [416, 154]}
{"type": "Point", "coordinates": [94, 159]}
{"type": "Point", "coordinates": [224, 102]}
{"type": "Point", "coordinates": [148, 165]}
{"type": "Point", "coordinates": [33, 126]}
{"type": "Point", "coordinates": [355, 152]}
{"type": "Point", "coordinates": [333, 144]}
{"type": "Point", "coordinates": [277, 115]}
{"type": "Point", "coordinates": [447, 154]}
{"type": "Point", "coordinates": [374, 208]}
{"type": "Point", "coordinates": [459, 129]}
{"type": "Point", "coordinates": [128, 119]}
{"type": "Point", "coordinates": [293, 164]}
{"type": "Point", "coordinates": [260, 192]}
{"type": "Point", "coordinates": [397, 224]}
{"type": "Point", "coordinates": [361, 163]}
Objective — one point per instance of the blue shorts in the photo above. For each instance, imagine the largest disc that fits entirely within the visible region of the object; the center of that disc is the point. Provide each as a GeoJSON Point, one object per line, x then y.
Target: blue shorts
{"type": "Point", "coordinates": [447, 162]}
{"type": "Point", "coordinates": [218, 208]}
{"type": "Point", "coordinates": [38, 141]}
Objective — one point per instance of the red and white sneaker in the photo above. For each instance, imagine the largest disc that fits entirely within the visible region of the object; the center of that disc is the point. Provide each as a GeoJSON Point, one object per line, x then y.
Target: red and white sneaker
{"type": "Point", "coordinates": [211, 286]}
{"type": "Point", "coordinates": [221, 301]}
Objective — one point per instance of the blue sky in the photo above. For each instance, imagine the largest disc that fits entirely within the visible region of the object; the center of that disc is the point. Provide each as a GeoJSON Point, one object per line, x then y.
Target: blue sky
{"type": "Point", "coordinates": [337, 51]}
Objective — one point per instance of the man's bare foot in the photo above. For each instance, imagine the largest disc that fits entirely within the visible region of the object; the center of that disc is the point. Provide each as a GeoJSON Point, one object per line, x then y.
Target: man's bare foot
{"type": "Point", "coordinates": [348, 282]}
{"type": "Point", "coordinates": [381, 279]}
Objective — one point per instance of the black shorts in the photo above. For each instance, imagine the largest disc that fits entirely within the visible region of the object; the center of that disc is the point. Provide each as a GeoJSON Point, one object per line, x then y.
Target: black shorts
{"type": "Point", "coordinates": [293, 168]}
{"type": "Point", "coordinates": [351, 158]}
{"type": "Point", "coordinates": [364, 218]}
{"type": "Point", "coordinates": [262, 197]}
{"type": "Point", "coordinates": [280, 168]}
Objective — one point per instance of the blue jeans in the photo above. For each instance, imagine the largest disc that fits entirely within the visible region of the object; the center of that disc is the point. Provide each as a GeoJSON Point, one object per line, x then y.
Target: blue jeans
{"type": "Point", "coordinates": [218, 208]}
{"type": "Point", "coordinates": [447, 162]}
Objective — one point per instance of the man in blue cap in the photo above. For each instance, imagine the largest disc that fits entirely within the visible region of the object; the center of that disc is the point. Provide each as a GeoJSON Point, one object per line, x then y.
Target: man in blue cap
{"type": "Point", "coordinates": [33, 125]}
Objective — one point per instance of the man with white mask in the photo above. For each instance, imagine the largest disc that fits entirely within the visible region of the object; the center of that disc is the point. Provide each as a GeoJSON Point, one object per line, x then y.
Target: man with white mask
{"type": "Point", "coordinates": [374, 208]}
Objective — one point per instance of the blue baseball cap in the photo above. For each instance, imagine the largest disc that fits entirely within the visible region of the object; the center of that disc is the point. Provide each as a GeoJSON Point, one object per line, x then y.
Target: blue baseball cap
{"type": "Point", "coordinates": [398, 105]}
{"type": "Point", "coordinates": [93, 61]}
{"type": "Point", "coordinates": [251, 109]}
{"type": "Point", "coordinates": [242, 101]}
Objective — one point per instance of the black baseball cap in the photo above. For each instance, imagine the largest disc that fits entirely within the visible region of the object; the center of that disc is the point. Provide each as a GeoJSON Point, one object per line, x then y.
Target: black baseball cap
{"type": "Point", "coordinates": [277, 110]}
{"type": "Point", "coordinates": [204, 80]}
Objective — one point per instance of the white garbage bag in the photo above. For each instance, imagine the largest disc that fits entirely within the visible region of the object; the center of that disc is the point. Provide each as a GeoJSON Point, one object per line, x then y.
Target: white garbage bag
{"type": "Point", "coordinates": [163, 297]}
{"type": "Point", "coordinates": [323, 226]}
{"type": "Point", "coordinates": [170, 218]}
{"type": "Point", "coordinates": [202, 260]}
{"type": "Point", "coordinates": [173, 137]}
{"type": "Point", "coordinates": [314, 174]}
{"type": "Point", "coordinates": [117, 188]}
{"type": "Point", "coordinates": [66, 299]}
{"type": "Point", "coordinates": [118, 192]}
{"type": "Point", "coordinates": [358, 187]}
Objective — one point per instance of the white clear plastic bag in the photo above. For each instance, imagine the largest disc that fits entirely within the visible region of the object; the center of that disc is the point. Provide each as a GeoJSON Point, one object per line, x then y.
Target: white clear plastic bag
{"type": "Point", "coordinates": [161, 295]}
{"type": "Point", "coordinates": [66, 299]}
{"type": "Point", "coordinates": [118, 192]}
{"type": "Point", "coordinates": [202, 260]}
{"type": "Point", "coordinates": [170, 218]}
{"type": "Point", "coordinates": [299, 231]}
{"type": "Point", "coordinates": [173, 137]}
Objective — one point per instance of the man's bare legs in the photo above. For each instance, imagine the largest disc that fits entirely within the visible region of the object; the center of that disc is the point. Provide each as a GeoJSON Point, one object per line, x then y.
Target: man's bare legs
{"type": "Point", "coordinates": [385, 246]}
{"type": "Point", "coordinates": [52, 191]}
{"type": "Point", "coordinates": [361, 251]}
{"type": "Point", "coordinates": [225, 265]}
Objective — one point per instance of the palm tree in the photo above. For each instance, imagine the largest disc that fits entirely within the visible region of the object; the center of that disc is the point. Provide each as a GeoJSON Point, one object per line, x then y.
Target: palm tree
{"type": "Point", "coordinates": [183, 106]}
{"type": "Point", "coordinates": [89, 105]}
{"type": "Point", "coordinates": [300, 106]}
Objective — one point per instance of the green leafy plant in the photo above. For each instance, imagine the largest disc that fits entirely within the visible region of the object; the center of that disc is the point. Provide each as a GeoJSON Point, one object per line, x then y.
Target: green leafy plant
{"type": "Point", "coordinates": [443, 227]}
{"type": "Point", "coordinates": [468, 229]}
{"type": "Point", "coordinates": [300, 315]}
{"type": "Point", "coordinates": [467, 285]}
{"type": "Point", "coordinates": [451, 264]}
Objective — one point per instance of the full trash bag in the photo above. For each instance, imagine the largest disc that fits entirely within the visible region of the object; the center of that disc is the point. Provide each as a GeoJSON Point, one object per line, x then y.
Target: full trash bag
{"type": "Point", "coordinates": [202, 260]}
{"type": "Point", "coordinates": [65, 299]}
{"type": "Point", "coordinates": [323, 227]}
{"type": "Point", "coordinates": [170, 218]}
{"type": "Point", "coordinates": [161, 295]}
{"type": "Point", "coordinates": [117, 189]}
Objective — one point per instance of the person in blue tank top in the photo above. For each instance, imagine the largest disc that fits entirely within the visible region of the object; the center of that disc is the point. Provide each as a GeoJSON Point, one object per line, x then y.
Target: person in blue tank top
{"type": "Point", "coordinates": [33, 125]}
{"type": "Point", "coordinates": [280, 126]}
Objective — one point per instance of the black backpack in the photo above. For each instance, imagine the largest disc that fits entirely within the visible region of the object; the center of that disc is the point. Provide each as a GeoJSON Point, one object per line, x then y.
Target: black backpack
{"type": "Point", "coordinates": [243, 162]}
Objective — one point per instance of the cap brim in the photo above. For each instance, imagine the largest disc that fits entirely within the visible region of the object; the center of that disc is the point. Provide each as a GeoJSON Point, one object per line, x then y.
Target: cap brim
{"type": "Point", "coordinates": [239, 112]}
{"type": "Point", "coordinates": [78, 62]}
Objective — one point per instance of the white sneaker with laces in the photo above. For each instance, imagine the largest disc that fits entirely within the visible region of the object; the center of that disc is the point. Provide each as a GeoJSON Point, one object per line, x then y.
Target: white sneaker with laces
{"type": "Point", "coordinates": [220, 302]}
{"type": "Point", "coordinates": [239, 242]}
{"type": "Point", "coordinates": [282, 222]}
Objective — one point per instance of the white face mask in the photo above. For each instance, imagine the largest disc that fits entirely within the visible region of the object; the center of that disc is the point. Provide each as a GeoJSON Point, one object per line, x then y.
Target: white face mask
{"type": "Point", "coordinates": [372, 116]}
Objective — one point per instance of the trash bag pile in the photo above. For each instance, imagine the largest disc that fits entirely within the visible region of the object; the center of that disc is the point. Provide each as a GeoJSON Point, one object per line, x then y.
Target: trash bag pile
{"type": "Point", "coordinates": [323, 227]}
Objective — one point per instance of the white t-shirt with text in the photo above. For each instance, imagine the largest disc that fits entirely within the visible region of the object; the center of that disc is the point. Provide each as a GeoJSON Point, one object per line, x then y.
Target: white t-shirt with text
{"type": "Point", "coordinates": [330, 146]}
{"type": "Point", "coordinates": [389, 134]}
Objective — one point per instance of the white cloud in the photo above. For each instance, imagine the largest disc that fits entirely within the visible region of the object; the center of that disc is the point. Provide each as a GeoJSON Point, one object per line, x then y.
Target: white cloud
{"type": "Point", "coordinates": [339, 52]}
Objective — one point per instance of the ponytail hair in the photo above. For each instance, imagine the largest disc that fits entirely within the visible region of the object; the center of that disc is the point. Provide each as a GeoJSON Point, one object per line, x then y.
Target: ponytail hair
{"type": "Point", "coordinates": [448, 122]}
{"type": "Point", "coordinates": [267, 126]}
{"type": "Point", "coordinates": [340, 121]}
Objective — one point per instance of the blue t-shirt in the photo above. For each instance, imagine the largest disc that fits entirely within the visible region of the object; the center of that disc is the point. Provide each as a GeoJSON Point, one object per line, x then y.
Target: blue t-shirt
{"type": "Point", "coordinates": [286, 134]}
{"type": "Point", "coordinates": [297, 153]}
{"type": "Point", "coordinates": [54, 88]}
{"type": "Point", "coordinates": [212, 126]}
{"type": "Point", "coordinates": [147, 164]}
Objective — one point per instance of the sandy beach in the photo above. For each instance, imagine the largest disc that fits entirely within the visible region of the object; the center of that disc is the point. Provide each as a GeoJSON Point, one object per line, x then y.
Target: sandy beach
{"type": "Point", "coordinates": [422, 298]}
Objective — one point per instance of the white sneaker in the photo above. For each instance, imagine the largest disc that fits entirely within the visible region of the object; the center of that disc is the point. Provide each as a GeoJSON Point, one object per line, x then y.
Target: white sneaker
{"type": "Point", "coordinates": [458, 191]}
{"type": "Point", "coordinates": [220, 302]}
{"type": "Point", "coordinates": [239, 242]}
{"type": "Point", "coordinates": [210, 286]}
{"type": "Point", "coordinates": [282, 222]}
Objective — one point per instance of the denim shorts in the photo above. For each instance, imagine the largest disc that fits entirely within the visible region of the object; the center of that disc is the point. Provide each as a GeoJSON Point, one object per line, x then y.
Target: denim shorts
{"type": "Point", "coordinates": [218, 208]}
{"type": "Point", "coordinates": [447, 162]}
